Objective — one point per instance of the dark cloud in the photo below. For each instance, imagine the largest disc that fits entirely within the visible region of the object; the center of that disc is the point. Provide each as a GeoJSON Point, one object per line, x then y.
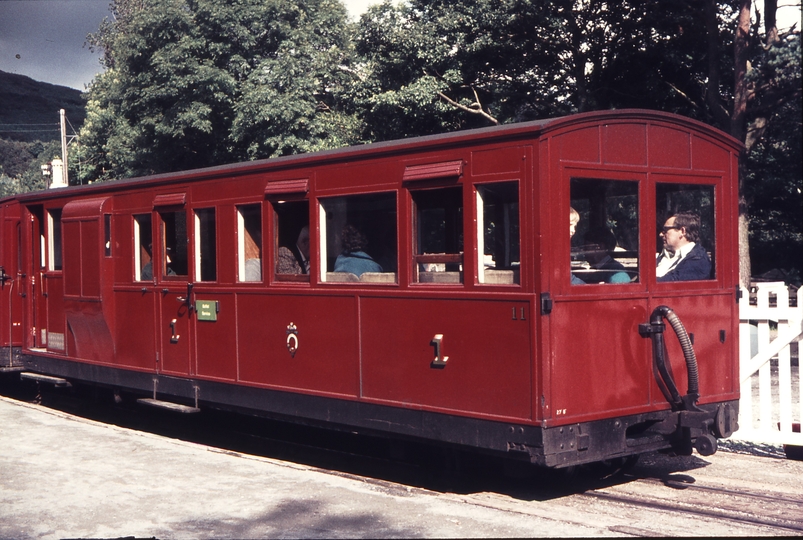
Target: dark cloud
{"type": "Point", "coordinates": [45, 39]}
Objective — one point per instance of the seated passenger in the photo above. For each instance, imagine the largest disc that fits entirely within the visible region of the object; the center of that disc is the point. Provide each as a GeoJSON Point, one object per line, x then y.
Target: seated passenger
{"type": "Point", "coordinates": [353, 259]}
{"type": "Point", "coordinates": [574, 219]}
{"type": "Point", "coordinates": [147, 270]}
{"type": "Point", "coordinates": [682, 258]}
{"type": "Point", "coordinates": [599, 244]}
{"type": "Point", "coordinates": [295, 260]}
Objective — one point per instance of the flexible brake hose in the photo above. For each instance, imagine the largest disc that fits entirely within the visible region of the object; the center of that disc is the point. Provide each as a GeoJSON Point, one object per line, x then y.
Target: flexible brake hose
{"type": "Point", "coordinates": [685, 344]}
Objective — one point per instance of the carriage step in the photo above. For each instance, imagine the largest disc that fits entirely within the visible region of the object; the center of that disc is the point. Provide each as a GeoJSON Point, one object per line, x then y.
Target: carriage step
{"type": "Point", "coordinates": [11, 369]}
{"type": "Point", "coordinates": [176, 407]}
{"type": "Point", "coordinates": [38, 377]}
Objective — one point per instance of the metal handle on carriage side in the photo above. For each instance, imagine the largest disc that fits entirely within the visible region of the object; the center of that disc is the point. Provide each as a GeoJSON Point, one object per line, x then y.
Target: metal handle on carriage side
{"type": "Point", "coordinates": [187, 300]}
{"type": "Point", "coordinates": [655, 331]}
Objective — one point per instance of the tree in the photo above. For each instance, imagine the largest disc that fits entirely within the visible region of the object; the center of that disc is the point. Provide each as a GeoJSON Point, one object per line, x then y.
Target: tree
{"type": "Point", "coordinates": [440, 65]}
{"type": "Point", "coordinates": [188, 84]}
{"type": "Point", "coordinates": [293, 100]}
{"type": "Point", "coordinates": [766, 86]}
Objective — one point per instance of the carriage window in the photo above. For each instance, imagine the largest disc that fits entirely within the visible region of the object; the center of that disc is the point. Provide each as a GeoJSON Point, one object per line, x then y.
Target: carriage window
{"type": "Point", "coordinates": [174, 248]}
{"type": "Point", "coordinates": [205, 245]}
{"type": "Point", "coordinates": [143, 266]}
{"type": "Point", "coordinates": [604, 227]}
{"type": "Point", "coordinates": [291, 240]}
{"type": "Point", "coordinates": [54, 234]}
{"type": "Point", "coordinates": [360, 238]}
{"type": "Point", "coordinates": [249, 243]}
{"type": "Point", "coordinates": [498, 239]}
{"type": "Point", "coordinates": [42, 244]}
{"type": "Point", "coordinates": [107, 235]}
{"type": "Point", "coordinates": [439, 235]}
{"type": "Point", "coordinates": [685, 245]}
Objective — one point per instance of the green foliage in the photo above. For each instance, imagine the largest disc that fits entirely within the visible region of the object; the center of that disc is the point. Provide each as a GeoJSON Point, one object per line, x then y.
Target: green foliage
{"type": "Point", "coordinates": [292, 100]}
{"type": "Point", "coordinates": [442, 65]}
{"type": "Point", "coordinates": [193, 83]}
{"type": "Point", "coordinates": [773, 184]}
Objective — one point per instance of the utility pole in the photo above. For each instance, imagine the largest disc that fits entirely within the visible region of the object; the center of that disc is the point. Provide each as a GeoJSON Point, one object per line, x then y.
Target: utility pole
{"type": "Point", "coordinates": [65, 177]}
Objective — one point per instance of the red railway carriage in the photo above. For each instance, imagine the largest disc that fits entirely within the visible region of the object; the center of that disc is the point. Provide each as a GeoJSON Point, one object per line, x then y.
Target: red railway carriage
{"type": "Point", "coordinates": [424, 288]}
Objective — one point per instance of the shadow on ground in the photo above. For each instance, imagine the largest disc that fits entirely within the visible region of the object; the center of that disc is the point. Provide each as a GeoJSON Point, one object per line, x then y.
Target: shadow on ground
{"type": "Point", "coordinates": [410, 463]}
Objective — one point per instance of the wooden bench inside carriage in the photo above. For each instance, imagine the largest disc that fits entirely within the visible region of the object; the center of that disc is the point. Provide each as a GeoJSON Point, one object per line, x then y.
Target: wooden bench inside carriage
{"type": "Point", "coordinates": [366, 277]}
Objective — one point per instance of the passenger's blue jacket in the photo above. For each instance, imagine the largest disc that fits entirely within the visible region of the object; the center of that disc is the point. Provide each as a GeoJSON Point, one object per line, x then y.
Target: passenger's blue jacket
{"type": "Point", "coordinates": [695, 265]}
{"type": "Point", "coordinates": [356, 262]}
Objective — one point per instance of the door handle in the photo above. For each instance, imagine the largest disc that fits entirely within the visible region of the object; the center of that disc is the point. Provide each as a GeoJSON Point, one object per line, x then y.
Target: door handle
{"type": "Point", "coordinates": [187, 299]}
{"type": "Point", "coordinates": [174, 337]}
{"type": "Point", "coordinates": [440, 360]}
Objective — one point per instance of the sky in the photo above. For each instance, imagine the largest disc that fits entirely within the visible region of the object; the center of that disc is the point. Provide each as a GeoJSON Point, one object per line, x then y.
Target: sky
{"type": "Point", "coordinates": [45, 39]}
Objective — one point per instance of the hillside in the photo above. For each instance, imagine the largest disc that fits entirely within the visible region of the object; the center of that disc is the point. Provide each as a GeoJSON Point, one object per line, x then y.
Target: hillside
{"type": "Point", "coordinates": [26, 101]}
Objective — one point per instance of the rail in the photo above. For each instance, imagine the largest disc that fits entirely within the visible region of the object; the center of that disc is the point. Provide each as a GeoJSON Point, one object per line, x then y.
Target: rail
{"type": "Point", "coordinates": [770, 328]}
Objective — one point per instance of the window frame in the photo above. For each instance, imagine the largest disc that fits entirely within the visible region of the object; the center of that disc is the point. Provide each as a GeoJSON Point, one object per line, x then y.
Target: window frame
{"type": "Point", "coordinates": [163, 273]}
{"type": "Point", "coordinates": [720, 222]}
{"type": "Point", "coordinates": [445, 258]}
{"type": "Point", "coordinates": [479, 238]}
{"type": "Point", "coordinates": [562, 246]}
{"type": "Point", "coordinates": [374, 278]}
{"type": "Point", "coordinates": [199, 254]}
{"type": "Point", "coordinates": [273, 216]}
{"type": "Point", "coordinates": [55, 240]}
{"type": "Point", "coordinates": [136, 239]}
{"type": "Point", "coordinates": [241, 232]}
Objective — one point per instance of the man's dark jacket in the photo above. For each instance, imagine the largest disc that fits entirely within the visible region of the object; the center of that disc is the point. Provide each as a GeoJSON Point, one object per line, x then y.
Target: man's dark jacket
{"type": "Point", "coordinates": [695, 265]}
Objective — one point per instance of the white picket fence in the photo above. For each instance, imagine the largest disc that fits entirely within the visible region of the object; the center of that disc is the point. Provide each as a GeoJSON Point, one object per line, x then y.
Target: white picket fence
{"type": "Point", "coordinates": [771, 386]}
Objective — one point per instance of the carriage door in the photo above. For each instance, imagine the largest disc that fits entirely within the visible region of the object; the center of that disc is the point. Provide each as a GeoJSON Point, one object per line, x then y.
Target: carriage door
{"type": "Point", "coordinates": [169, 264]}
{"type": "Point", "coordinates": [10, 272]}
{"type": "Point", "coordinates": [603, 299]}
{"type": "Point", "coordinates": [45, 284]}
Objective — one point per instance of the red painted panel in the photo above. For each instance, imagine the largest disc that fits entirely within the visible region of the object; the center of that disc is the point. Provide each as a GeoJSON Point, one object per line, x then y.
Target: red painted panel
{"type": "Point", "coordinates": [90, 258]}
{"type": "Point", "coordinates": [90, 338]}
{"type": "Point", "coordinates": [82, 258]}
{"type": "Point", "coordinates": [497, 160]}
{"type": "Point", "coordinates": [383, 173]}
{"type": "Point", "coordinates": [241, 188]}
{"type": "Point", "coordinates": [11, 299]}
{"type": "Point", "coordinates": [216, 354]}
{"type": "Point", "coordinates": [72, 258]}
{"type": "Point", "coordinates": [624, 144]}
{"type": "Point", "coordinates": [580, 145]}
{"type": "Point", "coordinates": [704, 316]}
{"type": "Point", "coordinates": [708, 156]}
{"type": "Point", "coordinates": [134, 341]}
{"type": "Point", "coordinates": [56, 324]}
{"type": "Point", "coordinates": [669, 147]}
{"type": "Point", "coordinates": [489, 370]}
{"type": "Point", "coordinates": [175, 340]}
{"type": "Point", "coordinates": [600, 363]}
{"type": "Point", "coordinates": [327, 357]}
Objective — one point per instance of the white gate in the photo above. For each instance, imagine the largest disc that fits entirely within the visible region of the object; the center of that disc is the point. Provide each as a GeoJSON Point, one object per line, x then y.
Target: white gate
{"type": "Point", "coordinates": [770, 408]}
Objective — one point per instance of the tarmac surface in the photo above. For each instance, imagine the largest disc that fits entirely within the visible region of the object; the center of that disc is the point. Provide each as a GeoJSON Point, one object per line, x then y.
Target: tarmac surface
{"type": "Point", "coordinates": [67, 476]}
